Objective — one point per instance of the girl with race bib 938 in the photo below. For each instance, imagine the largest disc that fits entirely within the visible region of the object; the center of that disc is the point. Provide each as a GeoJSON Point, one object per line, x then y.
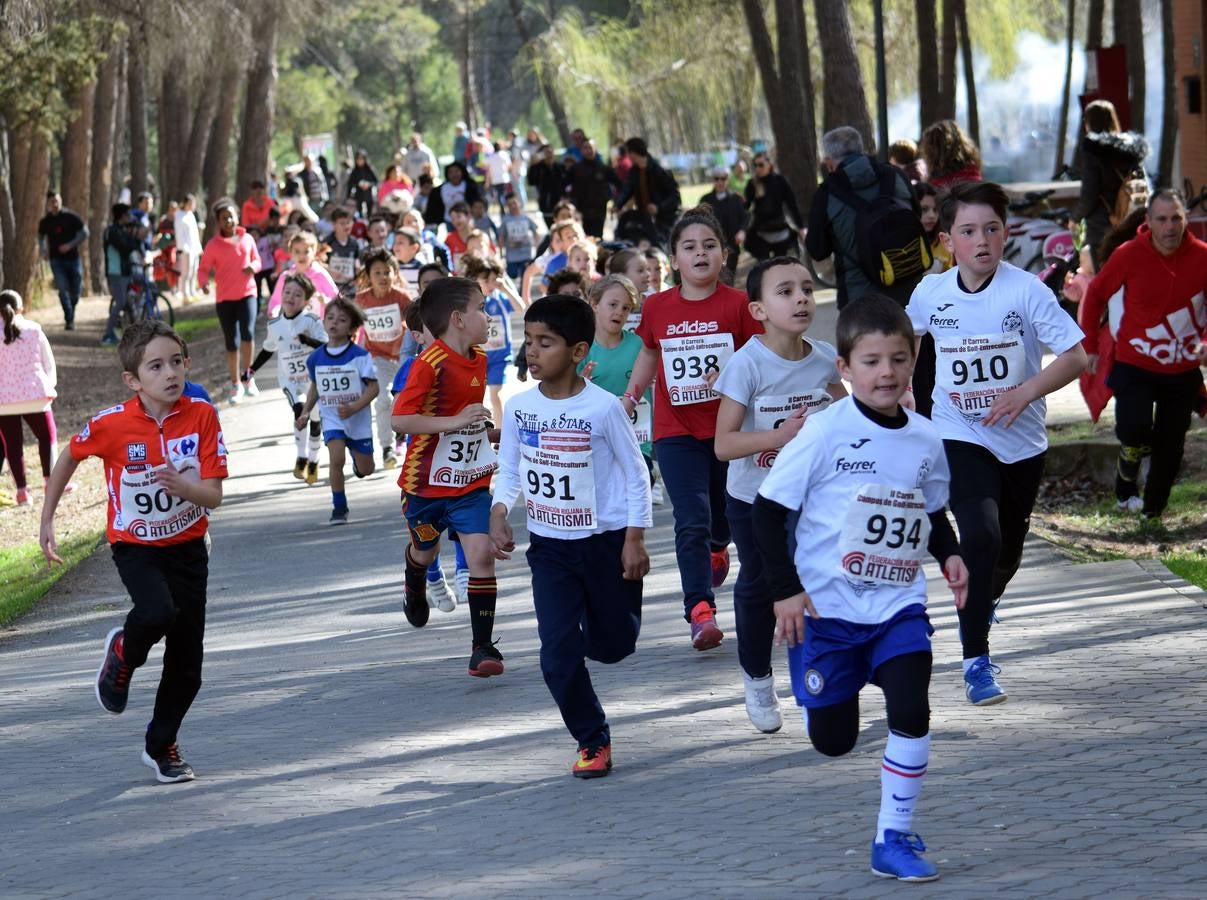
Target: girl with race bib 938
{"type": "Point", "coordinates": [689, 332]}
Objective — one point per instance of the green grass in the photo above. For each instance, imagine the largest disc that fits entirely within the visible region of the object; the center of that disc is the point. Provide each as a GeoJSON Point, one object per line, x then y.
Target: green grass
{"type": "Point", "coordinates": [25, 577]}
{"type": "Point", "coordinates": [1189, 566]}
{"type": "Point", "coordinates": [190, 328]}
{"type": "Point", "coordinates": [690, 194]}
{"type": "Point", "coordinates": [1074, 432]}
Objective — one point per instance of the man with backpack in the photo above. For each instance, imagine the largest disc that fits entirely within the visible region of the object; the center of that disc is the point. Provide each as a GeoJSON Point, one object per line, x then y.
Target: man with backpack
{"type": "Point", "coordinates": [865, 213]}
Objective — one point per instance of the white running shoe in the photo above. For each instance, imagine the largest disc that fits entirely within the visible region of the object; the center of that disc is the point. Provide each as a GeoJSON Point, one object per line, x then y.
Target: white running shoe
{"type": "Point", "coordinates": [461, 585]}
{"type": "Point", "coordinates": [1131, 504]}
{"type": "Point", "coordinates": [440, 596]}
{"type": "Point", "coordinates": [250, 388]}
{"type": "Point", "coordinates": [762, 704]}
{"type": "Point", "coordinates": [657, 497]}
{"type": "Point", "coordinates": [235, 393]}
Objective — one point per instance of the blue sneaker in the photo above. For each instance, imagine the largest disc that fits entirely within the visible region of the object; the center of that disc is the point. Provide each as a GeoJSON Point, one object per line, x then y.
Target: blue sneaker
{"type": "Point", "coordinates": [980, 687]}
{"type": "Point", "coordinates": [898, 857]}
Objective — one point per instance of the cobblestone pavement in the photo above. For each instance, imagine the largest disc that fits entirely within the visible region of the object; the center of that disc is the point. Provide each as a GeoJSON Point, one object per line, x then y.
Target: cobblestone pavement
{"type": "Point", "coordinates": [341, 753]}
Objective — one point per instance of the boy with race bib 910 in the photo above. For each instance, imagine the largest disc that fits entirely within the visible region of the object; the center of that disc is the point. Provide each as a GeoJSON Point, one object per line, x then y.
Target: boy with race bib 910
{"type": "Point", "coordinates": [446, 475]}
{"type": "Point", "coordinates": [293, 335]}
{"type": "Point", "coordinates": [343, 383]}
{"type": "Point", "coordinates": [869, 481]}
{"type": "Point", "coordinates": [567, 447]}
{"type": "Point", "coordinates": [777, 379]}
{"type": "Point", "coordinates": [689, 333]}
{"type": "Point", "coordinates": [164, 464]}
{"type": "Point", "coordinates": [990, 322]}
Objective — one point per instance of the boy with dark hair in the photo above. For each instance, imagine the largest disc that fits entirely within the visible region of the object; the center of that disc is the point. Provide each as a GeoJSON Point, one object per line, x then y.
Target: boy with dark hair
{"type": "Point", "coordinates": [568, 447]}
{"type": "Point", "coordinates": [445, 478]}
{"type": "Point", "coordinates": [164, 463]}
{"type": "Point", "coordinates": [462, 224]}
{"type": "Point", "coordinates": [858, 575]}
{"type": "Point", "coordinates": [122, 237]}
{"type": "Point", "coordinates": [344, 258]}
{"type": "Point", "coordinates": [990, 322]}
{"type": "Point", "coordinates": [569, 282]}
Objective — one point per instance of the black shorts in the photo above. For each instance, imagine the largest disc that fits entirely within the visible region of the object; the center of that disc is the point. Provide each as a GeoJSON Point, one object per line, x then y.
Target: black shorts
{"type": "Point", "coordinates": [237, 318]}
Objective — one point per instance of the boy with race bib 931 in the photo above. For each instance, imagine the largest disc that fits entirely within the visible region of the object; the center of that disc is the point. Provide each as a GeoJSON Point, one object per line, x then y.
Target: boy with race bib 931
{"type": "Point", "coordinates": [777, 379]}
{"type": "Point", "coordinates": [869, 481]}
{"type": "Point", "coordinates": [568, 449]}
{"type": "Point", "coordinates": [446, 475]}
{"type": "Point", "coordinates": [164, 464]}
{"type": "Point", "coordinates": [990, 322]}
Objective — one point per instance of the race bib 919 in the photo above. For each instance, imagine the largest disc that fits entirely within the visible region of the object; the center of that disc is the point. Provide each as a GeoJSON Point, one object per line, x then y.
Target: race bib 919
{"type": "Point", "coordinates": [337, 384]}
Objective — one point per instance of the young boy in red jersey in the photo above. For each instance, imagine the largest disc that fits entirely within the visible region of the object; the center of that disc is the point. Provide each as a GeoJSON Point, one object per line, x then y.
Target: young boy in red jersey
{"type": "Point", "coordinates": [164, 464]}
{"type": "Point", "coordinates": [445, 478]}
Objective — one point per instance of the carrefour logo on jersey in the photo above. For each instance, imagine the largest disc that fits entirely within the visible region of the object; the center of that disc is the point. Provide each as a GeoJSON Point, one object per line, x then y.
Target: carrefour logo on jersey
{"type": "Point", "coordinates": [692, 328]}
{"type": "Point", "coordinates": [183, 448]}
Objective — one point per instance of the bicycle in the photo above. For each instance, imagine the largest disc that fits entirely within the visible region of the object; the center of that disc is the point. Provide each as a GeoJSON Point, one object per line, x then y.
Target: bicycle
{"type": "Point", "coordinates": [143, 300]}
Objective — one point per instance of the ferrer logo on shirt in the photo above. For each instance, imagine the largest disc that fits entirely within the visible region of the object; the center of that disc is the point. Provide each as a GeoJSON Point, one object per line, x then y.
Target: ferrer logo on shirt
{"type": "Point", "coordinates": [845, 466]}
{"type": "Point", "coordinates": [944, 322]}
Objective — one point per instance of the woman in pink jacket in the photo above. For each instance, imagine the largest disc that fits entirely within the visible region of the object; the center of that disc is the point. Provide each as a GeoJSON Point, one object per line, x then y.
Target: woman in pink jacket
{"type": "Point", "coordinates": [27, 389]}
{"type": "Point", "coordinates": [232, 256]}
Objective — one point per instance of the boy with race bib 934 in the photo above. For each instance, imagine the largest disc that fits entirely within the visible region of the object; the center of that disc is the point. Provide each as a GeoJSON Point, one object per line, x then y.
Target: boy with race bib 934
{"type": "Point", "coordinates": [990, 322]}
{"type": "Point", "coordinates": [446, 475]}
{"type": "Point", "coordinates": [767, 389]}
{"type": "Point", "coordinates": [164, 464]}
{"type": "Point", "coordinates": [869, 481]}
{"type": "Point", "coordinates": [567, 447]}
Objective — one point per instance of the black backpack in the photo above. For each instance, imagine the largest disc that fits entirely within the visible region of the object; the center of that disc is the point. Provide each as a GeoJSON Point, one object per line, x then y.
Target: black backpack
{"type": "Point", "coordinates": [890, 245]}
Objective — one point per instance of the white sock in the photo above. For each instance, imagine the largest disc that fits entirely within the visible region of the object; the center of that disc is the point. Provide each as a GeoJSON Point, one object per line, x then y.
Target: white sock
{"type": "Point", "coordinates": [316, 443]}
{"type": "Point", "coordinates": [901, 777]}
{"type": "Point", "coordinates": [299, 441]}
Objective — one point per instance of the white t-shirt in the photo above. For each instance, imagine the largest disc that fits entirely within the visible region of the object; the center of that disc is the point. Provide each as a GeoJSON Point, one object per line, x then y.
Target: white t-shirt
{"type": "Point", "coordinates": [575, 462]}
{"type": "Point", "coordinates": [864, 492]}
{"type": "Point", "coordinates": [772, 388]}
{"type": "Point", "coordinates": [498, 167]}
{"type": "Point", "coordinates": [339, 378]}
{"type": "Point", "coordinates": [985, 344]}
{"type": "Point", "coordinates": [282, 338]}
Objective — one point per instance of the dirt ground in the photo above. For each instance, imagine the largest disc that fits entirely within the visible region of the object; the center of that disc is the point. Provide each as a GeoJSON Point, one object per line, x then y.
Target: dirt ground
{"type": "Point", "coordinates": [89, 380]}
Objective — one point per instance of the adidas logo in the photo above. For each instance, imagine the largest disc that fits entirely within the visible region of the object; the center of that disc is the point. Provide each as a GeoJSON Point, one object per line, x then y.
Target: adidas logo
{"type": "Point", "coordinates": [475, 382]}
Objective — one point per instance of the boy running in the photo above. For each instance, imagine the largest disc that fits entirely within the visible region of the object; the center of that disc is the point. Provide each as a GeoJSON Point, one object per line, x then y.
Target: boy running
{"type": "Point", "coordinates": [990, 322]}
{"type": "Point", "coordinates": [164, 463]}
{"type": "Point", "coordinates": [445, 478]}
{"type": "Point", "coordinates": [568, 447]}
{"type": "Point", "coordinates": [870, 482]}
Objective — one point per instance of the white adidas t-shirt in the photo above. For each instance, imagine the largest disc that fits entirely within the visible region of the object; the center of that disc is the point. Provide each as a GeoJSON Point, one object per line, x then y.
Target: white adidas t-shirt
{"type": "Point", "coordinates": [772, 388]}
{"type": "Point", "coordinates": [575, 462]}
{"type": "Point", "coordinates": [864, 492]}
{"type": "Point", "coordinates": [985, 344]}
{"type": "Point", "coordinates": [282, 338]}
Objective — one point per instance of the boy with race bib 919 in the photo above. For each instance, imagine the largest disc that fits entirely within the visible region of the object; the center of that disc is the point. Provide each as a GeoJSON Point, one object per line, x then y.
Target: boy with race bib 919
{"type": "Point", "coordinates": [990, 322]}
{"type": "Point", "coordinates": [777, 379]}
{"type": "Point", "coordinates": [446, 475]}
{"type": "Point", "coordinates": [689, 333]}
{"type": "Point", "coordinates": [869, 481]}
{"type": "Point", "coordinates": [293, 335]}
{"type": "Point", "coordinates": [164, 464]}
{"type": "Point", "coordinates": [343, 383]}
{"type": "Point", "coordinates": [568, 449]}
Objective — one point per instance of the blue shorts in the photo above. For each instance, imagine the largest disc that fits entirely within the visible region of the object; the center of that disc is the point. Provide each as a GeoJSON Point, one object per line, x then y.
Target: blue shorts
{"type": "Point", "coordinates": [358, 445]}
{"type": "Point", "coordinates": [838, 658]}
{"type": "Point", "coordinates": [428, 516]}
{"type": "Point", "coordinates": [496, 368]}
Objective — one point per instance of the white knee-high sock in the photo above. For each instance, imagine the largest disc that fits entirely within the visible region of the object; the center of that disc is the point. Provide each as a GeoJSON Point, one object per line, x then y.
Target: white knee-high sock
{"type": "Point", "coordinates": [901, 777]}
{"type": "Point", "coordinates": [316, 444]}
{"type": "Point", "coordinates": [299, 441]}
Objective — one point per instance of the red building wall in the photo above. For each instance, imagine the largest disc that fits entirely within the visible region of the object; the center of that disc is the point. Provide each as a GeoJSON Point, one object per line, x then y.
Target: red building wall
{"type": "Point", "coordinates": [1189, 19]}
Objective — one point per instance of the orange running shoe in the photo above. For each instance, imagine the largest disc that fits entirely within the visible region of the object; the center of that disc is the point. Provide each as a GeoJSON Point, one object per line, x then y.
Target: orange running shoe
{"type": "Point", "coordinates": [593, 762]}
{"type": "Point", "coordinates": [705, 633]}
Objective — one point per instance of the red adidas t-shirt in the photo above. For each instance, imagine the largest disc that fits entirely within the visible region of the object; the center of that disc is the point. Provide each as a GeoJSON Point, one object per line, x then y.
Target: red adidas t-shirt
{"type": "Point", "coordinates": [132, 445]}
{"type": "Point", "coordinates": [693, 338]}
{"type": "Point", "coordinates": [442, 382]}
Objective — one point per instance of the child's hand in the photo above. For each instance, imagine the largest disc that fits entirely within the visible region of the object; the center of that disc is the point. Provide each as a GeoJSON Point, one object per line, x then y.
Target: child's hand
{"type": "Point", "coordinates": [345, 410]}
{"type": "Point", "coordinates": [634, 559]}
{"type": "Point", "coordinates": [170, 479]}
{"type": "Point", "coordinates": [471, 415]}
{"type": "Point", "coordinates": [501, 535]}
{"type": "Point", "coordinates": [1008, 406]}
{"type": "Point", "coordinates": [790, 618]}
{"type": "Point", "coordinates": [300, 422]}
{"type": "Point", "coordinates": [791, 426]}
{"type": "Point", "coordinates": [907, 400]}
{"type": "Point", "coordinates": [50, 547]}
{"type": "Point", "coordinates": [589, 369]}
{"type": "Point", "coordinates": [1091, 363]}
{"type": "Point", "coordinates": [711, 376]}
{"type": "Point", "coordinates": [956, 574]}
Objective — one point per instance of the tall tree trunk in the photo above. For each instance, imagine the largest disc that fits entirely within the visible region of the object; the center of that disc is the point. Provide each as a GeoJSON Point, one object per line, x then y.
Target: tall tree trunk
{"type": "Point", "coordinates": [215, 173]}
{"type": "Point", "coordinates": [947, 61]}
{"type": "Point", "coordinates": [844, 100]}
{"type": "Point", "coordinates": [1062, 130]}
{"type": "Point", "coordinates": [465, 49]}
{"type": "Point", "coordinates": [930, 105]}
{"type": "Point", "coordinates": [974, 118]}
{"type": "Point", "coordinates": [1129, 31]}
{"type": "Point", "coordinates": [412, 81]}
{"type": "Point", "coordinates": [174, 130]}
{"type": "Point", "coordinates": [198, 138]}
{"type": "Point", "coordinates": [1169, 108]}
{"type": "Point", "coordinates": [104, 126]}
{"type": "Point", "coordinates": [547, 84]}
{"type": "Point", "coordinates": [1094, 20]}
{"type": "Point", "coordinates": [29, 176]}
{"type": "Point", "coordinates": [259, 105]}
{"type": "Point", "coordinates": [743, 92]}
{"type": "Point", "coordinates": [75, 182]}
{"type": "Point", "coordinates": [136, 95]}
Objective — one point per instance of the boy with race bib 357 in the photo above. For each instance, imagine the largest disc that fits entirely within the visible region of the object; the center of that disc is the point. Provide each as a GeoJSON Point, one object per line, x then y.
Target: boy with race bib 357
{"type": "Point", "coordinates": [990, 322]}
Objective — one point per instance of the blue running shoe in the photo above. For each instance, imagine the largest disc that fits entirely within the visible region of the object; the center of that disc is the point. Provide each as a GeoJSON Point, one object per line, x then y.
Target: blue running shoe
{"type": "Point", "coordinates": [980, 687]}
{"type": "Point", "coordinates": [898, 857]}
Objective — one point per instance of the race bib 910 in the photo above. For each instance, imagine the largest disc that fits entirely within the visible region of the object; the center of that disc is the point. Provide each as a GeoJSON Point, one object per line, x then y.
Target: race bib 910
{"type": "Point", "coordinates": [973, 370]}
